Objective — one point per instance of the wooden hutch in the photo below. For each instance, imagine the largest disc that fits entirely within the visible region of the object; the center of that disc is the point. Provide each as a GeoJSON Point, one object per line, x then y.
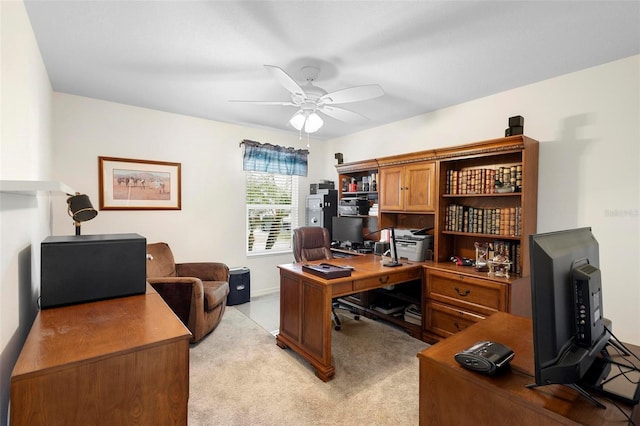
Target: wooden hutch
{"type": "Point", "coordinates": [453, 191]}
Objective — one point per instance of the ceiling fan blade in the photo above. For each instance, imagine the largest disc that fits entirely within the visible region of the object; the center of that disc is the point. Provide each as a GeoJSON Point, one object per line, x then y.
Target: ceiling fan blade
{"type": "Point", "coordinates": [287, 103]}
{"type": "Point", "coordinates": [353, 94]}
{"type": "Point", "coordinates": [343, 114]}
{"type": "Point", "coordinates": [286, 81]}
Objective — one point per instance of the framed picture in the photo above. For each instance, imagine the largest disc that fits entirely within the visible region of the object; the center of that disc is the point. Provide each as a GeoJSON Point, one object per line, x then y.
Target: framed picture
{"type": "Point", "coordinates": [128, 184]}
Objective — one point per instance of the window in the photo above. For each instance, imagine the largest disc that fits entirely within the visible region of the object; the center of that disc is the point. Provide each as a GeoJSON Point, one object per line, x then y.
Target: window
{"type": "Point", "coordinates": [272, 212]}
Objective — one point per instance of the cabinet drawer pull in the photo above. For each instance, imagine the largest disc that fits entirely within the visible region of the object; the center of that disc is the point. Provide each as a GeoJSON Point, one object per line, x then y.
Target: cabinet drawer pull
{"type": "Point", "coordinates": [384, 280]}
{"type": "Point", "coordinates": [462, 293]}
{"type": "Point", "coordinates": [458, 326]}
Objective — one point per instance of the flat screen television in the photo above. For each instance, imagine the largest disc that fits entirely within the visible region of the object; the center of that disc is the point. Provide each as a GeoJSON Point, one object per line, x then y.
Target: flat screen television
{"type": "Point", "coordinates": [569, 329]}
{"type": "Point", "coordinates": [347, 230]}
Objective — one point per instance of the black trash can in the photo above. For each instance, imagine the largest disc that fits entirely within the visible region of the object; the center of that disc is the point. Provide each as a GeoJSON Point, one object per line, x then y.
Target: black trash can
{"type": "Point", "coordinates": [239, 286]}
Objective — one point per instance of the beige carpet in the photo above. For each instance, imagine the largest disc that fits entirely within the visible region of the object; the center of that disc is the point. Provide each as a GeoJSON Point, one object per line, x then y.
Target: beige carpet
{"type": "Point", "coordinates": [238, 376]}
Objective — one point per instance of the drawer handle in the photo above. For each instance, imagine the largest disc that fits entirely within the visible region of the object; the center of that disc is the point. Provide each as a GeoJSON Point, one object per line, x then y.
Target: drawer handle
{"type": "Point", "coordinates": [384, 281]}
{"type": "Point", "coordinates": [458, 326]}
{"type": "Point", "coordinates": [462, 293]}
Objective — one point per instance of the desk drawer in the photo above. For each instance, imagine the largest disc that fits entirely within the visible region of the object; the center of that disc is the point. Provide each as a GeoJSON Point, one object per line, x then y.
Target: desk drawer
{"type": "Point", "coordinates": [446, 320]}
{"type": "Point", "coordinates": [387, 279]}
{"type": "Point", "coordinates": [341, 289]}
{"type": "Point", "coordinates": [474, 294]}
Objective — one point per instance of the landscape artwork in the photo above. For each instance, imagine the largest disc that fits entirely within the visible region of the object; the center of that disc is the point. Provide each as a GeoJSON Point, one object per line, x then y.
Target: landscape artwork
{"type": "Point", "coordinates": [141, 185]}
{"type": "Point", "coordinates": [129, 184]}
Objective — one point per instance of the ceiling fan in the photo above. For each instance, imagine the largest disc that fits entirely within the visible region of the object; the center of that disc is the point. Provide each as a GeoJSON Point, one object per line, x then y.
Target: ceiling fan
{"type": "Point", "coordinates": [311, 99]}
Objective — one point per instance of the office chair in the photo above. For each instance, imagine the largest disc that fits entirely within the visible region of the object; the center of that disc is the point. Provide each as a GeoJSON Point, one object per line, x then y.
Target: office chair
{"type": "Point", "coordinates": [314, 243]}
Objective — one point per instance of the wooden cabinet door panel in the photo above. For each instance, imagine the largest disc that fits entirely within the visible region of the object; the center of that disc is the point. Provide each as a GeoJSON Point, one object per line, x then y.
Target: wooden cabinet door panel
{"type": "Point", "coordinates": [420, 187]}
{"type": "Point", "coordinates": [391, 189]}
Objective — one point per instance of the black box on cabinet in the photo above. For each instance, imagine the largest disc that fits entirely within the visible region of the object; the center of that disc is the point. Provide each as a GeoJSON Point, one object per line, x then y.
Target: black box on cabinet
{"type": "Point", "coordinates": [516, 121]}
{"type": "Point", "coordinates": [239, 286]}
{"type": "Point", "coordinates": [315, 188]}
{"type": "Point", "coordinates": [85, 268]}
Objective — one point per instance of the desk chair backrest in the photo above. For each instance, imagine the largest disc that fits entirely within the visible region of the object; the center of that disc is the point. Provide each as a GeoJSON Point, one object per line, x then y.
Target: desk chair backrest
{"type": "Point", "coordinates": [311, 243]}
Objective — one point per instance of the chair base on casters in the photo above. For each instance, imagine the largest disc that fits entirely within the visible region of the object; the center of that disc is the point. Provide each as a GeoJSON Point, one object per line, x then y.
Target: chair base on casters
{"type": "Point", "coordinates": [336, 318]}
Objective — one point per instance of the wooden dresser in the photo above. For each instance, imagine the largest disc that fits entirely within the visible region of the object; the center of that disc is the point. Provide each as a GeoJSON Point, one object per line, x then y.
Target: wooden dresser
{"type": "Point", "coordinates": [119, 361]}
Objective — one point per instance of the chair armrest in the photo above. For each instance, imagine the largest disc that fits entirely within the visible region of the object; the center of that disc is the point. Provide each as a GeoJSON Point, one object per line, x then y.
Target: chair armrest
{"type": "Point", "coordinates": [206, 271]}
{"type": "Point", "coordinates": [180, 293]}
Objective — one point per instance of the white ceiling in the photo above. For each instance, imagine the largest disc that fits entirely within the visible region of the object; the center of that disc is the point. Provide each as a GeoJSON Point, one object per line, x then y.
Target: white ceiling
{"type": "Point", "coordinates": [192, 57]}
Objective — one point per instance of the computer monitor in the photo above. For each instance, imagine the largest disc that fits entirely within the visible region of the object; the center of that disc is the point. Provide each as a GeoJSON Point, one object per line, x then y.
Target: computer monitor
{"type": "Point", "coordinates": [347, 230]}
{"type": "Point", "coordinates": [569, 330]}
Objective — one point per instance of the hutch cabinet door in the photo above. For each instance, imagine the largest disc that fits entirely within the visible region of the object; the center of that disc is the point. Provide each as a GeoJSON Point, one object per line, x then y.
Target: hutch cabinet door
{"type": "Point", "coordinates": [420, 187]}
{"type": "Point", "coordinates": [391, 188]}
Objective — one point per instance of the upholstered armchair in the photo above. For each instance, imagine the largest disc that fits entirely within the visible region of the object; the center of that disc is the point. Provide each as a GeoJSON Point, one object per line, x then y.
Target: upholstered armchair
{"type": "Point", "coordinates": [196, 292]}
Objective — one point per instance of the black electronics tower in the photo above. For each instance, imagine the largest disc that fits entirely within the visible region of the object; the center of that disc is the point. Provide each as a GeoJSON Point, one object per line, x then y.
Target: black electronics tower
{"type": "Point", "coordinates": [321, 207]}
{"type": "Point", "coordinates": [239, 286]}
{"type": "Point", "coordinates": [84, 268]}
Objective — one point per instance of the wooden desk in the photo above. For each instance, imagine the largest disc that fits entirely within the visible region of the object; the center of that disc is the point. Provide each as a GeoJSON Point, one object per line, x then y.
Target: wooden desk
{"type": "Point", "coordinates": [450, 394]}
{"type": "Point", "coordinates": [305, 303]}
{"type": "Point", "coordinates": [119, 361]}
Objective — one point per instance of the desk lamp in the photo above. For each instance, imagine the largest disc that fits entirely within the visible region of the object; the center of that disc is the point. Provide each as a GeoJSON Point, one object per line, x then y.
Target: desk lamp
{"type": "Point", "coordinates": [80, 209]}
{"type": "Point", "coordinates": [394, 251]}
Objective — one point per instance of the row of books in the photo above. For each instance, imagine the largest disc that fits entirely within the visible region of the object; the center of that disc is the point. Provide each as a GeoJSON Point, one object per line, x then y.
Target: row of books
{"type": "Point", "coordinates": [495, 221]}
{"type": "Point", "coordinates": [483, 180]}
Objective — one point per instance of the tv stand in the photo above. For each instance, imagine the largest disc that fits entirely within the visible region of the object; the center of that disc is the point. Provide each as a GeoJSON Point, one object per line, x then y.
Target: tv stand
{"type": "Point", "coordinates": [602, 379]}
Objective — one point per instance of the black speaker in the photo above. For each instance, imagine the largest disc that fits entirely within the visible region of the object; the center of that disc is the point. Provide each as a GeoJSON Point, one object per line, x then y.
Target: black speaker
{"type": "Point", "coordinates": [84, 268]}
{"type": "Point", "coordinates": [239, 286]}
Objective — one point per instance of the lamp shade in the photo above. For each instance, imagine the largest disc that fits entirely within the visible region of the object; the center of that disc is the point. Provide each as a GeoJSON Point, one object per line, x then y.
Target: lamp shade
{"type": "Point", "coordinates": [80, 208]}
{"type": "Point", "coordinates": [309, 121]}
{"type": "Point", "coordinates": [297, 121]}
{"type": "Point", "coordinates": [313, 124]}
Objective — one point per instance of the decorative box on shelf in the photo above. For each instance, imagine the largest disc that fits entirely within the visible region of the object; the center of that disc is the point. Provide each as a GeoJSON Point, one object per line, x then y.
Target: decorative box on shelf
{"type": "Point", "coordinates": [499, 268]}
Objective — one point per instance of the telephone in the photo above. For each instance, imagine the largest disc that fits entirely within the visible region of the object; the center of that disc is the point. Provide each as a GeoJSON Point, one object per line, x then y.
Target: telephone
{"type": "Point", "coordinates": [485, 357]}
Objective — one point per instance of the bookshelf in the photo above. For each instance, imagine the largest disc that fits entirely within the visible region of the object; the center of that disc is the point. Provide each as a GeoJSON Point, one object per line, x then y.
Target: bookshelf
{"type": "Point", "coordinates": [480, 201]}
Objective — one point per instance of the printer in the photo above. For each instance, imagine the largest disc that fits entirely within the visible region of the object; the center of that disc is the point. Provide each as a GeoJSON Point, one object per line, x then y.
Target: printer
{"type": "Point", "coordinates": [412, 246]}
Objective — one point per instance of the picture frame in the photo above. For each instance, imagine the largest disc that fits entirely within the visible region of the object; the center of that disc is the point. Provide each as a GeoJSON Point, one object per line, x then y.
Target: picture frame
{"type": "Point", "coordinates": [131, 184]}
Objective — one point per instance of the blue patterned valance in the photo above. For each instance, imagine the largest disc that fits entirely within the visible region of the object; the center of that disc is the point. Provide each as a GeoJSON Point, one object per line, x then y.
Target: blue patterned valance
{"type": "Point", "coordinates": [264, 157]}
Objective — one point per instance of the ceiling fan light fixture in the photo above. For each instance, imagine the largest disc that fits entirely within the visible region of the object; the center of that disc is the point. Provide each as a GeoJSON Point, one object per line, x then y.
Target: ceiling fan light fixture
{"type": "Point", "coordinates": [297, 121]}
{"type": "Point", "coordinates": [313, 99]}
{"type": "Point", "coordinates": [313, 123]}
{"type": "Point", "coordinates": [310, 122]}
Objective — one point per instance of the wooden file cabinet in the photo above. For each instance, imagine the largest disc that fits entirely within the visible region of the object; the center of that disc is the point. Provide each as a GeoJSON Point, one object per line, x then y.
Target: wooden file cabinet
{"type": "Point", "coordinates": [457, 297]}
{"type": "Point", "coordinates": [120, 361]}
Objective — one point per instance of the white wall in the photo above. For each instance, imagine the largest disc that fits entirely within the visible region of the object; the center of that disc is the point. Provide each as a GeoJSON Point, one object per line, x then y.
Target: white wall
{"type": "Point", "coordinates": [25, 148]}
{"type": "Point", "coordinates": [211, 225]}
{"type": "Point", "coordinates": [588, 125]}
